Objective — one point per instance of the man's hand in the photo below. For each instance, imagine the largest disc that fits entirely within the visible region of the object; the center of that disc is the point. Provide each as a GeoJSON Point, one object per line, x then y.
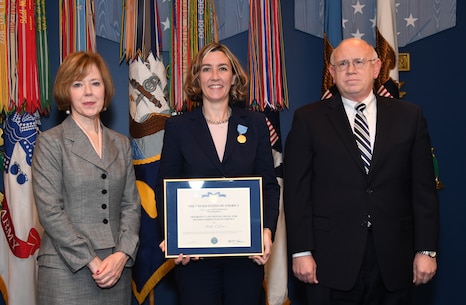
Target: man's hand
{"type": "Point", "coordinates": [424, 268]}
{"type": "Point", "coordinates": [304, 268]}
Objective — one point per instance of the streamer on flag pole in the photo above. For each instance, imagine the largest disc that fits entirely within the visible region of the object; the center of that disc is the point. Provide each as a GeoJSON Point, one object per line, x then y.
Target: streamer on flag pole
{"type": "Point", "coordinates": [4, 64]}
{"type": "Point", "coordinates": [178, 51]}
{"type": "Point", "coordinates": [43, 58]}
{"type": "Point", "coordinates": [23, 55]}
{"type": "Point", "coordinates": [266, 57]}
{"type": "Point", "coordinates": [193, 25]}
{"type": "Point", "coordinates": [28, 82]}
{"type": "Point", "coordinates": [77, 26]}
{"type": "Point", "coordinates": [90, 22]}
{"type": "Point", "coordinates": [269, 93]}
{"type": "Point", "coordinates": [13, 52]}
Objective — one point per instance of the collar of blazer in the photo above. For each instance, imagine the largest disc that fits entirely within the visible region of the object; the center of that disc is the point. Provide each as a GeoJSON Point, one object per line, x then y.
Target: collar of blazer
{"type": "Point", "coordinates": [83, 148]}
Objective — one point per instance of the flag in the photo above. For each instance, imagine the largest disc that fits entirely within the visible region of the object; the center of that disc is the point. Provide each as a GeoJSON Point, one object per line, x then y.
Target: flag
{"type": "Point", "coordinates": [149, 110]}
{"type": "Point", "coordinates": [108, 19]}
{"type": "Point", "coordinates": [276, 268]}
{"type": "Point", "coordinates": [232, 16]}
{"type": "Point", "coordinates": [20, 233]}
{"type": "Point", "coordinates": [415, 19]}
{"type": "Point", "coordinates": [387, 49]}
{"type": "Point", "coordinates": [333, 34]}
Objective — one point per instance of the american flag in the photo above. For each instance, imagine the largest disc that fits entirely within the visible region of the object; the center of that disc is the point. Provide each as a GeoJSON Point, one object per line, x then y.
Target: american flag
{"type": "Point", "coordinates": [415, 19]}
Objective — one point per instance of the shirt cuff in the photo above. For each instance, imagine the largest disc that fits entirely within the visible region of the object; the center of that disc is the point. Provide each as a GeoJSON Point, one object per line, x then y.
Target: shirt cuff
{"type": "Point", "coordinates": [299, 254]}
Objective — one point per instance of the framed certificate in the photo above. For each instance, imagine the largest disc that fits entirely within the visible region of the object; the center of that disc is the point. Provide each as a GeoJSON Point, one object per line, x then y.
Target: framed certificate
{"type": "Point", "coordinates": [213, 217]}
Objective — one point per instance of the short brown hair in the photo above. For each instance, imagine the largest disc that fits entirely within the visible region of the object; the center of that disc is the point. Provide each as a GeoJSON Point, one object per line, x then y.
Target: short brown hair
{"type": "Point", "coordinates": [192, 86]}
{"type": "Point", "coordinates": [75, 67]}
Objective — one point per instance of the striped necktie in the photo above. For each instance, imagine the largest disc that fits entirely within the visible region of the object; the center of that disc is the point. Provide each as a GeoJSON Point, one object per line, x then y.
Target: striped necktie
{"type": "Point", "coordinates": [361, 133]}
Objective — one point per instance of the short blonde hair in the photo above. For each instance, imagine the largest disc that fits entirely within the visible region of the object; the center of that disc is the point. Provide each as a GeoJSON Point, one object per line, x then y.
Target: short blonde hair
{"type": "Point", "coordinates": [75, 67]}
{"type": "Point", "coordinates": [192, 87]}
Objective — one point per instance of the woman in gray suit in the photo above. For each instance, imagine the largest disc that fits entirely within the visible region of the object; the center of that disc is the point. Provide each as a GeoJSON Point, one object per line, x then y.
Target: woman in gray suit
{"type": "Point", "coordinates": [85, 191]}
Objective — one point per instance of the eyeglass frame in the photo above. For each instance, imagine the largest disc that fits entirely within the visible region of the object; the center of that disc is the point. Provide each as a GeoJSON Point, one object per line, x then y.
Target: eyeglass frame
{"type": "Point", "coordinates": [362, 62]}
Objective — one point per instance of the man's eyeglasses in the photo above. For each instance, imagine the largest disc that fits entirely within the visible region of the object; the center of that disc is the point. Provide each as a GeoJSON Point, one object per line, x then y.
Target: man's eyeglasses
{"type": "Point", "coordinates": [358, 63]}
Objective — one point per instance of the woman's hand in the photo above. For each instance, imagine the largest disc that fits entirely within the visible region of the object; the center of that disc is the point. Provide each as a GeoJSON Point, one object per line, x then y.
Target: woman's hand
{"type": "Point", "coordinates": [94, 264]}
{"type": "Point", "coordinates": [262, 259]}
{"type": "Point", "coordinates": [109, 271]}
{"type": "Point", "coordinates": [181, 259]}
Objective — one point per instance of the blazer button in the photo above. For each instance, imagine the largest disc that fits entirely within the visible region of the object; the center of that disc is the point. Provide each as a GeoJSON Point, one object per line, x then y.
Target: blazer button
{"type": "Point", "coordinates": [104, 176]}
{"type": "Point", "coordinates": [104, 192]}
{"type": "Point", "coordinates": [105, 221]}
{"type": "Point", "coordinates": [104, 206]}
{"type": "Point", "coordinates": [369, 191]}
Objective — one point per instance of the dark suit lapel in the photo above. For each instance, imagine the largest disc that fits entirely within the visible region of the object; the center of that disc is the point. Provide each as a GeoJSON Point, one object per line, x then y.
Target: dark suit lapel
{"type": "Point", "coordinates": [383, 131]}
{"type": "Point", "coordinates": [339, 119]}
{"type": "Point", "coordinates": [232, 138]}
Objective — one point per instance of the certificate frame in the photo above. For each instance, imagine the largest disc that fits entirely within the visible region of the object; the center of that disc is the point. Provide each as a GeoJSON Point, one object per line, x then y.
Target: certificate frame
{"type": "Point", "coordinates": [188, 197]}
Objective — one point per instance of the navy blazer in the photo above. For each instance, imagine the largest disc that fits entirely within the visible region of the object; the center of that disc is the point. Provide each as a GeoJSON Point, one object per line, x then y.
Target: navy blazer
{"type": "Point", "coordinates": [327, 194]}
{"type": "Point", "coordinates": [189, 152]}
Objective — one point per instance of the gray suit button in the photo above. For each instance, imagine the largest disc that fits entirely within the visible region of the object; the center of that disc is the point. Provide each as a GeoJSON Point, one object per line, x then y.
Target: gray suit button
{"type": "Point", "coordinates": [105, 221]}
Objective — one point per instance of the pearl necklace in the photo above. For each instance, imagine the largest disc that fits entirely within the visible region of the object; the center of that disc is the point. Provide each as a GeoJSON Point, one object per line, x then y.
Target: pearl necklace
{"type": "Point", "coordinates": [218, 122]}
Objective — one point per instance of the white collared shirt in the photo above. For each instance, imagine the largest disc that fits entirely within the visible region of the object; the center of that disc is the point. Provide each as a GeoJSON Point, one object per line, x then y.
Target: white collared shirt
{"type": "Point", "coordinates": [370, 112]}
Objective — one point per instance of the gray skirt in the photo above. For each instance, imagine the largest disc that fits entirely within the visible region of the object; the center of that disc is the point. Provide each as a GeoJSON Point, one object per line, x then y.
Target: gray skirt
{"type": "Point", "coordinates": [58, 286]}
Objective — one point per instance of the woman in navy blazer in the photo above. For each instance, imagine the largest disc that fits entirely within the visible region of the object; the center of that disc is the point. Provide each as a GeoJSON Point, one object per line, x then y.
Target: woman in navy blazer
{"type": "Point", "coordinates": [218, 140]}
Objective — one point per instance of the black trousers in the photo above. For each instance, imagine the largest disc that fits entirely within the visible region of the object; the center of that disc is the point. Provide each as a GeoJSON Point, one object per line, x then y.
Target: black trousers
{"type": "Point", "coordinates": [368, 290]}
{"type": "Point", "coordinates": [220, 281]}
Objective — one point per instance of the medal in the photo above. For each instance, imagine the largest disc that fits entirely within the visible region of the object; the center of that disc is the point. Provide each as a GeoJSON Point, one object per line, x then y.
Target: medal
{"type": "Point", "coordinates": [241, 130]}
{"type": "Point", "coordinates": [241, 139]}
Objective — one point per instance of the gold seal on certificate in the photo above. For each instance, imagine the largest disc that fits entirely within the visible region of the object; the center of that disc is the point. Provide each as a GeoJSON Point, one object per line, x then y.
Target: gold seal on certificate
{"type": "Point", "coordinates": [241, 138]}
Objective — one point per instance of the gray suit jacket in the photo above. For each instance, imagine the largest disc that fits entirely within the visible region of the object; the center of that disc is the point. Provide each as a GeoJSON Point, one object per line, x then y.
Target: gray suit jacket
{"type": "Point", "coordinates": [85, 203]}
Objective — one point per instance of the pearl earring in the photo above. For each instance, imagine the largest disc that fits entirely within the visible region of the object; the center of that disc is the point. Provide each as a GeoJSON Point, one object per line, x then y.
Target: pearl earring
{"type": "Point", "coordinates": [68, 111]}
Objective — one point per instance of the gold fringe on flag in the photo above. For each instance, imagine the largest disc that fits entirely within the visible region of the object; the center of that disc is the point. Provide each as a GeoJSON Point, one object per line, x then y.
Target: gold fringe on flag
{"type": "Point", "coordinates": [4, 66]}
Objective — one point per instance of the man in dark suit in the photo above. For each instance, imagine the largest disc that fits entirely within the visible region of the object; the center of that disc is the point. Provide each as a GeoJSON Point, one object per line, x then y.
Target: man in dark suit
{"type": "Point", "coordinates": [362, 225]}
